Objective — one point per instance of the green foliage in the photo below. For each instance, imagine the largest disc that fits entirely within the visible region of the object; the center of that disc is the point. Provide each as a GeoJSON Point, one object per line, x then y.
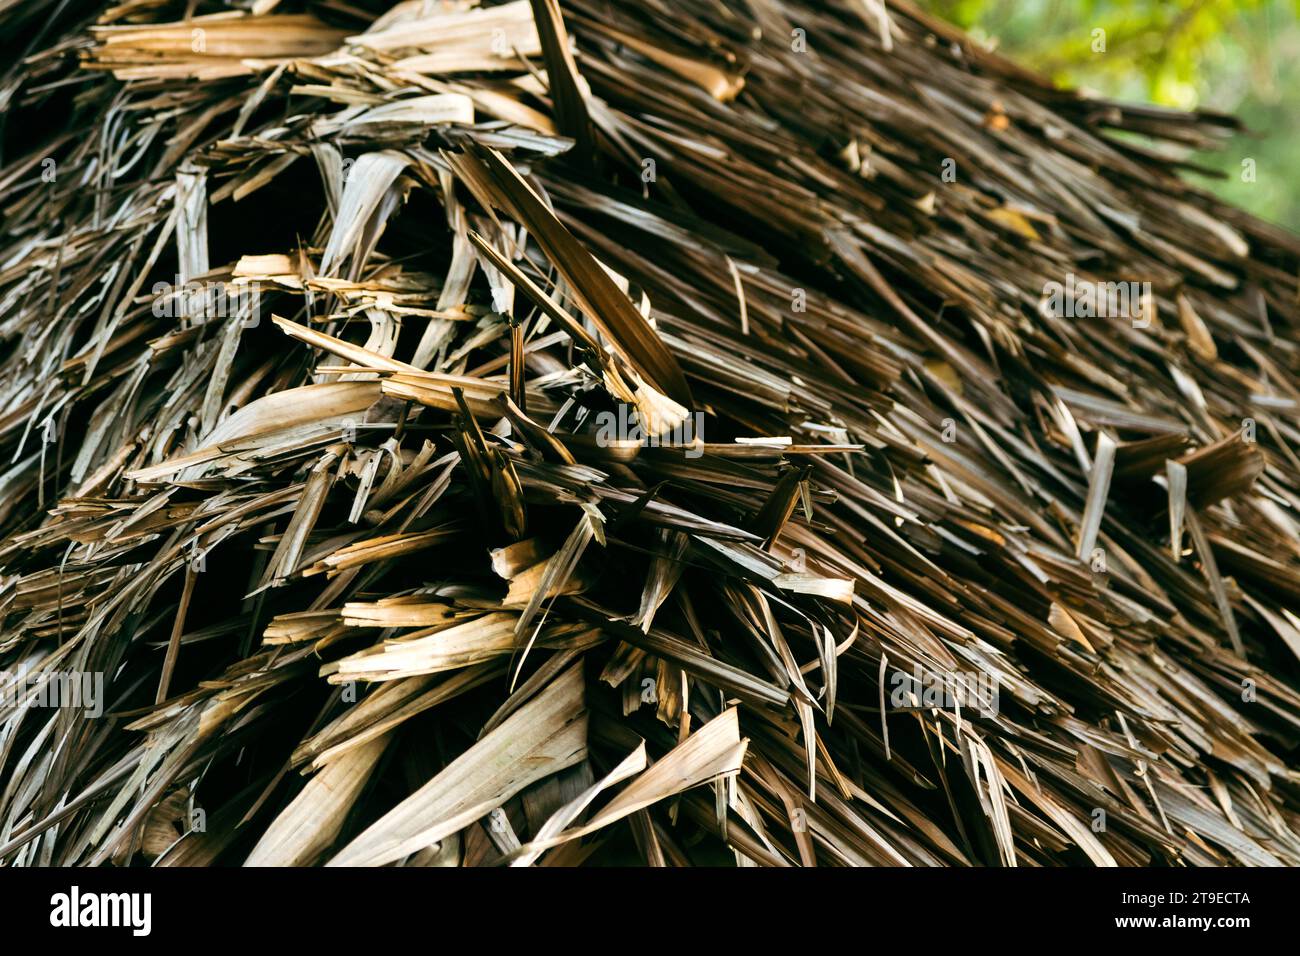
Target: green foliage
{"type": "Point", "coordinates": [1237, 56]}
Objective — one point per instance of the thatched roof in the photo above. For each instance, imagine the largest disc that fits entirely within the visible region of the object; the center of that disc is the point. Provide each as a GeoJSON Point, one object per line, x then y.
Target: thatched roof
{"type": "Point", "coordinates": [758, 431]}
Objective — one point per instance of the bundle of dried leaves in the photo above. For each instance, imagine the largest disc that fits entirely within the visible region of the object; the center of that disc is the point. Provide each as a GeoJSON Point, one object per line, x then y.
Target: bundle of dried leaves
{"type": "Point", "coordinates": [688, 432]}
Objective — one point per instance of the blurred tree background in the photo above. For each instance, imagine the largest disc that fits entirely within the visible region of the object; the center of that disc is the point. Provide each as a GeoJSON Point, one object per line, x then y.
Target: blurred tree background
{"type": "Point", "coordinates": [1234, 56]}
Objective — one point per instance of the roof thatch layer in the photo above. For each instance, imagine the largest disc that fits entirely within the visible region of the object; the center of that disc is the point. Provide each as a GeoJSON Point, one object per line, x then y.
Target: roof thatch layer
{"type": "Point", "coordinates": [686, 432]}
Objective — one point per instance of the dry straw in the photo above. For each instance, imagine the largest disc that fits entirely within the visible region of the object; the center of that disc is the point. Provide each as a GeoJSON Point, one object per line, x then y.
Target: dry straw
{"type": "Point", "coordinates": [548, 433]}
